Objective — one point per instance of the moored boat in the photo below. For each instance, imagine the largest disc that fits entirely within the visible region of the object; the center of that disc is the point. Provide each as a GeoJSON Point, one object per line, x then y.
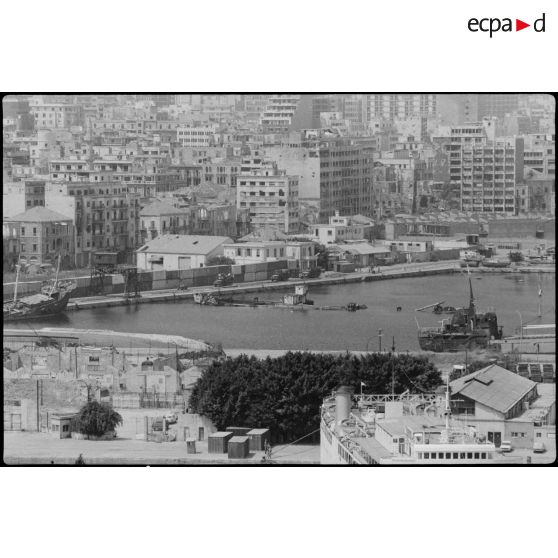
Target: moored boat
{"type": "Point", "coordinates": [51, 301]}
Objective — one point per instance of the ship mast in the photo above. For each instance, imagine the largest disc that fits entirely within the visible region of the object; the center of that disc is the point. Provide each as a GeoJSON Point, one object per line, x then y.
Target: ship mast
{"type": "Point", "coordinates": [16, 281]}
{"type": "Point", "coordinates": [447, 412]}
{"type": "Point", "coordinates": [53, 286]}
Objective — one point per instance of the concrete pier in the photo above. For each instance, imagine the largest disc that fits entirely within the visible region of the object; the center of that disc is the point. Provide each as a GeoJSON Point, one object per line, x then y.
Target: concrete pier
{"type": "Point", "coordinates": [173, 295]}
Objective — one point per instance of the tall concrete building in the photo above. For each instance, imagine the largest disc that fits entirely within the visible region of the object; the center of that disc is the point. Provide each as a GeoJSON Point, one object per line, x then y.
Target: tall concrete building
{"type": "Point", "coordinates": [287, 113]}
{"type": "Point", "coordinates": [486, 171]}
{"type": "Point", "coordinates": [400, 106]}
{"type": "Point", "coordinates": [345, 178]}
{"type": "Point", "coordinates": [498, 105]}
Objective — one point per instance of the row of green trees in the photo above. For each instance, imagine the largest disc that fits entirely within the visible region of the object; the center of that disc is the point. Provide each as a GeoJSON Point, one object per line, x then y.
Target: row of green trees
{"type": "Point", "coordinates": [285, 393]}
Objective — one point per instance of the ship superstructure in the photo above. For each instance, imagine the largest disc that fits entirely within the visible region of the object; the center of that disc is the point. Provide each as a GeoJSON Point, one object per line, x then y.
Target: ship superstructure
{"type": "Point", "coordinates": [404, 429]}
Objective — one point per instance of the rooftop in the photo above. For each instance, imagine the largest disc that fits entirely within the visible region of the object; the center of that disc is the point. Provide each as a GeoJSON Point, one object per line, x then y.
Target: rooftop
{"type": "Point", "coordinates": [184, 244]}
{"type": "Point", "coordinates": [38, 214]}
{"type": "Point", "coordinates": [365, 248]}
{"type": "Point", "coordinates": [160, 208]}
{"type": "Point", "coordinates": [494, 387]}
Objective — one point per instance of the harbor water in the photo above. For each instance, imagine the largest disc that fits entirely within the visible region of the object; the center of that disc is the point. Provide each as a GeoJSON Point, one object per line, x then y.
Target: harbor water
{"type": "Point", "coordinates": [514, 297]}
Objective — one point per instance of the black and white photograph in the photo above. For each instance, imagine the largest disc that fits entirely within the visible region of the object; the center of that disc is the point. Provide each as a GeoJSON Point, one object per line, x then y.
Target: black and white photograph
{"type": "Point", "coordinates": [279, 279]}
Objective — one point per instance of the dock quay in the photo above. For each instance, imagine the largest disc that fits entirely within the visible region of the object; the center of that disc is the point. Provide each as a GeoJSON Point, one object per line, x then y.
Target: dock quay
{"type": "Point", "coordinates": [175, 295]}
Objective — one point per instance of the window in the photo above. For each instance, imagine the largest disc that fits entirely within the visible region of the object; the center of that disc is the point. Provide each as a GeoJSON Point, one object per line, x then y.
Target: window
{"type": "Point", "coordinates": [34, 247]}
{"type": "Point", "coordinates": [440, 455]}
{"type": "Point", "coordinates": [470, 455]}
{"type": "Point", "coordinates": [455, 455]}
{"type": "Point", "coordinates": [65, 428]}
{"type": "Point", "coordinates": [477, 455]}
{"type": "Point", "coordinates": [462, 455]}
{"type": "Point", "coordinates": [433, 455]}
{"type": "Point", "coordinates": [483, 455]}
{"type": "Point", "coordinates": [538, 435]}
{"type": "Point", "coordinates": [448, 455]}
{"type": "Point", "coordinates": [22, 231]}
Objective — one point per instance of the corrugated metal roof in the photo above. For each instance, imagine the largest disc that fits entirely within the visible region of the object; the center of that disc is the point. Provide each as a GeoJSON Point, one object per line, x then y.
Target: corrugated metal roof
{"type": "Point", "coordinates": [184, 244]}
{"type": "Point", "coordinates": [494, 387]}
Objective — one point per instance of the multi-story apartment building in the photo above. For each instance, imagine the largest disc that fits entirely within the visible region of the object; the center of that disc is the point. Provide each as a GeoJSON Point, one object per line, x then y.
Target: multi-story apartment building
{"type": "Point", "coordinates": [17, 197]}
{"type": "Point", "coordinates": [44, 235]}
{"type": "Point", "coordinates": [400, 106]}
{"type": "Point", "coordinates": [10, 244]}
{"type": "Point", "coordinates": [160, 217]}
{"type": "Point", "coordinates": [104, 212]}
{"type": "Point", "coordinates": [271, 197]}
{"type": "Point", "coordinates": [497, 105]}
{"type": "Point", "coordinates": [540, 154]}
{"type": "Point", "coordinates": [215, 219]}
{"type": "Point", "coordinates": [56, 115]}
{"type": "Point", "coordinates": [196, 136]}
{"type": "Point", "coordinates": [486, 172]}
{"type": "Point", "coordinates": [222, 172]}
{"type": "Point", "coordinates": [345, 178]}
{"type": "Point", "coordinates": [286, 113]}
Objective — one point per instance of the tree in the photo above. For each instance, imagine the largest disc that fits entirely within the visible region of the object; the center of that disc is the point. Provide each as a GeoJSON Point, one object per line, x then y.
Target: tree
{"type": "Point", "coordinates": [285, 393]}
{"type": "Point", "coordinates": [96, 419]}
{"type": "Point", "coordinates": [322, 259]}
{"type": "Point", "coordinates": [219, 260]}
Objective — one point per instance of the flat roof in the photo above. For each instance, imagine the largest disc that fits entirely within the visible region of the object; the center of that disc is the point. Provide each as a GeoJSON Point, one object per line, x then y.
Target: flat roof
{"type": "Point", "coordinates": [239, 439]}
{"type": "Point", "coordinates": [373, 448]}
{"type": "Point", "coordinates": [258, 431]}
{"type": "Point", "coordinates": [220, 434]}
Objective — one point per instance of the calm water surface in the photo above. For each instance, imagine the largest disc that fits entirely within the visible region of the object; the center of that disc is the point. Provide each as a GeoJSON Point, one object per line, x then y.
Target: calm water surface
{"type": "Point", "coordinates": [268, 328]}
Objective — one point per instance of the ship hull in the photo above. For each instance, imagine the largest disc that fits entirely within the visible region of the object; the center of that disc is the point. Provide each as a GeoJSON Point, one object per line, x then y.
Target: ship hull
{"type": "Point", "coordinates": [47, 309]}
{"type": "Point", "coordinates": [447, 343]}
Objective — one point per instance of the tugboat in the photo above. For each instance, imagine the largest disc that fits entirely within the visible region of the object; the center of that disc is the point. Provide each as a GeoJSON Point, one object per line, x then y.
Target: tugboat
{"type": "Point", "coordinates": [51, 301]}
{"type": "Point", "coordinates": [466, 329]}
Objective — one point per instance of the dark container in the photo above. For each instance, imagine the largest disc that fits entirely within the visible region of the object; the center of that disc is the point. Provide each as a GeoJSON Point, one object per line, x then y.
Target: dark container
{"type": "Point", "coordinates": [218, 442]}
{"type": "Point", "coordinates": [239, 447]}
{"type": "Point", "coordinates": [258, 438]}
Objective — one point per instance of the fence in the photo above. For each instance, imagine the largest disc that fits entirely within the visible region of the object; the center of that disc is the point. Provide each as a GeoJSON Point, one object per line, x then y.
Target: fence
{"type": "Point", "coordinates": [160, 280]}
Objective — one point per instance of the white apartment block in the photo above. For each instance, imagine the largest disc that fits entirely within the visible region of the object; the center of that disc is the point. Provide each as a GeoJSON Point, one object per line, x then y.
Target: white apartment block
{"type": "Point", "coordinates": [485, 171]}
{"type": "Point", "coordinates": [196, 136]}
{"type": "Point", "coordinates": [271, 198]}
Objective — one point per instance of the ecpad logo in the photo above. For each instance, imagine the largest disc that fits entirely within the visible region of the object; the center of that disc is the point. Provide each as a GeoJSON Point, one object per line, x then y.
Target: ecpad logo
{"type": "Point", "coordinates": [493, 25]}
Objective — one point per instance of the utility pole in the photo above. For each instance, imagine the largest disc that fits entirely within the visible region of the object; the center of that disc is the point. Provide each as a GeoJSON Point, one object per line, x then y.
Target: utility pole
{"type": "Point", "coordinates": [38, 409]}
{"type": "Point", "coordinates": [540, 296]}
{"type": "Point", "coordinates": [380, 335]}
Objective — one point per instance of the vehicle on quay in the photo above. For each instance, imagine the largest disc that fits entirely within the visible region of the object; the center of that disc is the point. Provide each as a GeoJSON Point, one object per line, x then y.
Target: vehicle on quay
{"type": "Point", "coordinates": [465, 329]}
{"type": "Point", "coordinates": [223, 280]}
{"type": "Point", "coordinates": [281, 275]}
{"type": "Point", "coordinates": [539, 447]}
{"type": "Point", "coordinates": [506, 446]}
{"type": "Point", "coordinates": [311, 273]}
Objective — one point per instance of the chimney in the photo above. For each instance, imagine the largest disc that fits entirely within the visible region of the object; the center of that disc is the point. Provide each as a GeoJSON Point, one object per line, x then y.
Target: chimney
{"type": "Point", "coordinates": [343, 397]}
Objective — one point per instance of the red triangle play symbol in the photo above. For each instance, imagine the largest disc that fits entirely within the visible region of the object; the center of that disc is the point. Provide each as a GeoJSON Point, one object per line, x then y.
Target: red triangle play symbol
{"type": "Point", "coordinates": [519, 25]}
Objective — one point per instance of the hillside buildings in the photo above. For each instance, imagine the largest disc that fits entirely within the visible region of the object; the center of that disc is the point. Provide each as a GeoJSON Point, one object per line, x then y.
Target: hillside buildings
{"type": "Point", "coordinates": [233, 164]}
